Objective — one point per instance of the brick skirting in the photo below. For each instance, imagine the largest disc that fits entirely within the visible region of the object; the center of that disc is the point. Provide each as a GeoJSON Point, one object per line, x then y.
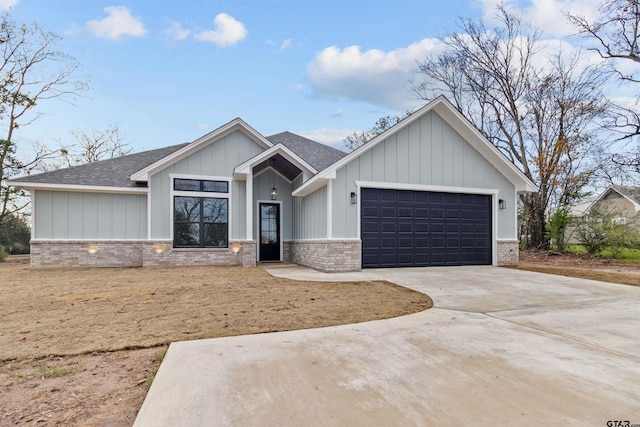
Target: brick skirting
{"type": "Point", "coordinates": [136, 253]}
{"type": "Point", "coordinates": [508, 252]}
{"type": "Point", "coordinates": [329, 256]}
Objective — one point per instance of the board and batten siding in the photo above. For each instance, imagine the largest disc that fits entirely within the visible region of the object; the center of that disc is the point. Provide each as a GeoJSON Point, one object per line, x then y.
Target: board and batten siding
{"type": "Point", "coordinates": [427, 152]}
{"type": "Point", "coordinates": [216, 159]}
{"type": "Point", "coordinates": [63, 215]}
{"type": "Point", "coordinates": [310, 214]}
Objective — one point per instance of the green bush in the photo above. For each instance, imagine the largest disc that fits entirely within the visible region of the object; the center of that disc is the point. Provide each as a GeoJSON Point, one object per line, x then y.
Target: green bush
{"type": "Point", "coordinates": [3, 254]}
{"type": "Point", "coordinates": [599, 231]}
{"type": "Point", "coordinates": [556, 229]}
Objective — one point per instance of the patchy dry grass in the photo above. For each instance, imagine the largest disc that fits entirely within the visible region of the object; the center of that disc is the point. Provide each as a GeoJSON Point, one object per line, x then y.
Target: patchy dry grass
{"type": "Point", "coordinates": [78, 347]}
{"type": "Point", "coordinates": [625, 278]}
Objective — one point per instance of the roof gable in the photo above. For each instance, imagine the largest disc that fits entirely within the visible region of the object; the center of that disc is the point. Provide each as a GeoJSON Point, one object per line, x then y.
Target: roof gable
{"type": "Point", "coordinates": [632, 194]}
{"type": "Point", "coordinates": [234, 125]}
{"type": "Point", "coordinates": [457, 121]}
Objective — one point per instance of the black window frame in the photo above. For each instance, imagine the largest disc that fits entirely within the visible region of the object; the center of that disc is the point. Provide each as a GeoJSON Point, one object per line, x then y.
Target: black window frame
{"type": "Point", "coordinates": [201, 185]}
{"type": "Point", "coordinates": [201, 223]}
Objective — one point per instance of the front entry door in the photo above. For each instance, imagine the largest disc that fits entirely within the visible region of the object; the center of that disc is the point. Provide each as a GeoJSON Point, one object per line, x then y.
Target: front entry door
{"type": "Point", "coordinates": [269, 232]}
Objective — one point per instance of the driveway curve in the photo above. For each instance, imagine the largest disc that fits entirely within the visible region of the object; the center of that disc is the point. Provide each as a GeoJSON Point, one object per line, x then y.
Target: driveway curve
{"type": "Point", "coordinates": [500, 347]}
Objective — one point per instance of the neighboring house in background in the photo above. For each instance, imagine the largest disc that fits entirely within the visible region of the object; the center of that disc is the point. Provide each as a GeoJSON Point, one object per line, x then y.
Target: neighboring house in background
{"type": "Point", "coordinates": [429, 191]}
{"type": "Point", "coordinates": [622, 203]}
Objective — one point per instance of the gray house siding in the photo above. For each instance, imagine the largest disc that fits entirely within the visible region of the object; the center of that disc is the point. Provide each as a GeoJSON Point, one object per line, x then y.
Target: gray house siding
{"type": "Point", "coordinates": [310, 215]}
{"type": "Point", "coordinates": [216, 159]}
{"type": "Point", "coordinates": [429, 152]}
{"type": "Point", "coordinates": [64, 215]}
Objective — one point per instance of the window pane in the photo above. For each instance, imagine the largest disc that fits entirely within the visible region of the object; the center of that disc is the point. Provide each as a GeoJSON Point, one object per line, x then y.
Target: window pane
{"type": "Point", "coordinates": [187, 234]}
{"type": "Point", "coordinates": [215, 210]}
{"type": "Point", "coordinates": [186, 209]}
{"type": "Point", "coordinates": [215, 235]}
{"type": "Point", "coordinates": [215, 186]}
{"type": "Point", "coordinates": [186, 184]}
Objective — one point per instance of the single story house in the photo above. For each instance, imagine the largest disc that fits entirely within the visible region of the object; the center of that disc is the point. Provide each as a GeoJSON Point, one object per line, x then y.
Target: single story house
{"type": "Point", "coordinates": [429, 191]}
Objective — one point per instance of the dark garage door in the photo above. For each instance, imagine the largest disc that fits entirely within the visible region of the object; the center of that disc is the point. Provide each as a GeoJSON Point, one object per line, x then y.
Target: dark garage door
{"type": "Point", "coordinates": [402, 228]}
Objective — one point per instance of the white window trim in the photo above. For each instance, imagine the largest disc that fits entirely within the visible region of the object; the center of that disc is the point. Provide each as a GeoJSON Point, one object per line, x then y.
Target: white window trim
{"type": "Point", "coordinates": [208, 194]}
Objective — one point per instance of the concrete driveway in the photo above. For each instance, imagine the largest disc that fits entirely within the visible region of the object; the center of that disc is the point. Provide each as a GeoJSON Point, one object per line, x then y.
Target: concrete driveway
{"type": "Point", "coordinates": [500, 347]}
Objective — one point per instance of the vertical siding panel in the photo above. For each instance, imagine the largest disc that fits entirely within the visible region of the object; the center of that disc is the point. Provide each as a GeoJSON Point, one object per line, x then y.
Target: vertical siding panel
{"type": "Point", "coordinates": [59, 215]}
{"type": "Point", "coordinates": [416, 147]}
{"type": "Point", "coordinates": [104, 216]}
{"type": "Point", "coordinates": [43, 220]}
{"type": "Point", "coordinates": [349, 211]}
{"type": "Point", "coordinates": [366, 166]}
{"type": "Point", "coordinates": [90, 209]}
{"type": "Point", "coordinates": [142, 218]}
{"type": "Point", "coordinates": [391, 159]}
{"type": "Point", "coordinates": [118, 216]}
{"type": "Point", "coordinates": [447, 155]}
{"type": "Point", "coordinates": [458, 163]}
{"type": "Point", "coordinates": [437, 140]}
{"type": "Point", "coordinates": [425, 141]}
{"type": "Point", "coordinates": [378, 162]}
{"type": "Point", "coordinates": [469, 163]}
{"type": "Point", "coordinates": [74, 215]}
{"type": "Point", "coordinates": [403, 155]}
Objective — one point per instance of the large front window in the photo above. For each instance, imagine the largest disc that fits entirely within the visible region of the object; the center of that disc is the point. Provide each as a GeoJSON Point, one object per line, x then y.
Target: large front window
{"type": "Point", "coordinates": [200, 217]}
{"type": "Point", "coordinates": [200, 222]}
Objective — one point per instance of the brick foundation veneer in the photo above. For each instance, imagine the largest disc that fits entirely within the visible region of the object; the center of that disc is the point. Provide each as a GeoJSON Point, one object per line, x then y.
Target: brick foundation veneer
{"type": "Point", "coordinates": [85, 253]}
{"type": "Point", "coordinates": [136, 253]}
{"type": "Point", "coordinates": [329, 256]}
{"type": "Point", "coordinates": [508, 252]}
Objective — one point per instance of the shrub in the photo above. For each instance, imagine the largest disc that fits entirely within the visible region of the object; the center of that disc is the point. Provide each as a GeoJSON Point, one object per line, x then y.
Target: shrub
{"type": "Point", "coordinates": [556, 228]}
{"type": "Point", "coordinates": [598, 231]}
{"type": "Point", "coordinates": [3, 254]}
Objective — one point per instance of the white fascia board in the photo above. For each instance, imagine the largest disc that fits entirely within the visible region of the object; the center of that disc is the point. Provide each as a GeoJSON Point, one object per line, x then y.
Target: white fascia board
{"type": "Point", "coordinates": [78, 188]}
{"type": "Point", "coordinates": [460, 124]}
{"type": "Point", "coordinates": [241, 171]}
{"type": "Point", "coordinates": [224, 130]}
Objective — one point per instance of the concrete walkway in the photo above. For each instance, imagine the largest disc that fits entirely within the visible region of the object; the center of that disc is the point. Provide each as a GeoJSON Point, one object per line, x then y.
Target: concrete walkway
{"type": "Point", "coordinates": [500, 347]}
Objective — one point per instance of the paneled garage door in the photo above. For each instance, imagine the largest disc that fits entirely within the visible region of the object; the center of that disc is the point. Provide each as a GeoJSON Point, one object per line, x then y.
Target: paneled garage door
{"type": "Point", "coordinates": [402, 228]}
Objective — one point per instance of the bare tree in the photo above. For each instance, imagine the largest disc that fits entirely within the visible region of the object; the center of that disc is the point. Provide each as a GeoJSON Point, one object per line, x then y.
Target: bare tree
{"type": "Point", "coordinates": [537, 109]}
{"type": "Point", "coordinates": [31, 71]}
{"type": "Point", "coordinates": [357, 139]}
{"type": "Point", "coordinates": [95, 146]}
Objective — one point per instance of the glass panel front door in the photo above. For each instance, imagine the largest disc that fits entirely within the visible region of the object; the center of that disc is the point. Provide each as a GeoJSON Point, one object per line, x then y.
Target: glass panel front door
{"type": "Point", "coordinates": [269, 232]}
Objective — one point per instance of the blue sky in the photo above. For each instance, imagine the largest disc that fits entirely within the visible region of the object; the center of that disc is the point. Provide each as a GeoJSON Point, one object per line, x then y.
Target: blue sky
{"type": "Point", "coordinates": [167, 72]}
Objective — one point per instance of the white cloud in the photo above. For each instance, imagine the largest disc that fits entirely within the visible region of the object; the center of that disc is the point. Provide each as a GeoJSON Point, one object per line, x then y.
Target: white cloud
{"type": "Point", "coordinates": [338, 114]}
{"type": "Point", "coordinates": [227, 31]}
{"type": "Point", "coordinates": [202, 126]}
{"type": "Point", "coordinates": [120, 22]}
{"type": "Point", "coordinates": [374, 76]}
{"type": "Point", "coordinates": [176, 32]}
{"type": "Point", "coordinates": [285, 44]}
{"type": "Point", "coordinates": [7, 4]}
{"type": "Point", "coordinates": [548, 15]}
{"type": "Point", "coordinates": [328, 136]}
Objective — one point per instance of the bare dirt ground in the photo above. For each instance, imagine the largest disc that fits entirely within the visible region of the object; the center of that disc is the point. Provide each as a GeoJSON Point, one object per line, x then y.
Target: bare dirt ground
{"type": "Point", "coordinates": [81, 347]}
{"type": "Point", "coordinates": [583, 266]}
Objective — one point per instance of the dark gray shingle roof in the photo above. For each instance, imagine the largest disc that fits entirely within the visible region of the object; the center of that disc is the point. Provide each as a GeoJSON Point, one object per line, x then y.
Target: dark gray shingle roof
{"type": "Point", "coordinates": [115, 172]}
{"type": "Point", "coordinates": [106, 173]}
{"type": "Point", "coordinates": [318, 155]}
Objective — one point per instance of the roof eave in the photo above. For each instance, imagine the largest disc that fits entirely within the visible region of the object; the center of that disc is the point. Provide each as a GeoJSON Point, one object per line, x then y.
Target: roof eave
{"type": "Point", "coordinates": [30, 186]}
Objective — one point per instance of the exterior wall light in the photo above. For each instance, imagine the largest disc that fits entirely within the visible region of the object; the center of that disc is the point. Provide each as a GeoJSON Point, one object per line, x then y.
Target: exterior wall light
{"type": "Point", "coordinates": [158, 250]}
{"type": "Point", "coordinates": [354, 198]}
{"type": "Point", "coordinates": [235, 250]}
{"type": "Point", "coordinates": [91, 250]}
{"type": "Point", "coordinates": [502, 204]}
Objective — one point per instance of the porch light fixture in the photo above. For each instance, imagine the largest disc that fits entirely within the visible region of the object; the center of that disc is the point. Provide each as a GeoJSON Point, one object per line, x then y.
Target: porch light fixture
{"type": "Point", "coordinates": [158, 250]}
{"type": "Point", "coordinates": [502, 204]}
{"type": "Point", "coordinates": [274, 193]}
{"type": "Point", "coordinates": [354, 198]}
{"type": "Point", "coordinates": [91, 250]}
{"type": "Point", "coordinates": [235, 250]}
